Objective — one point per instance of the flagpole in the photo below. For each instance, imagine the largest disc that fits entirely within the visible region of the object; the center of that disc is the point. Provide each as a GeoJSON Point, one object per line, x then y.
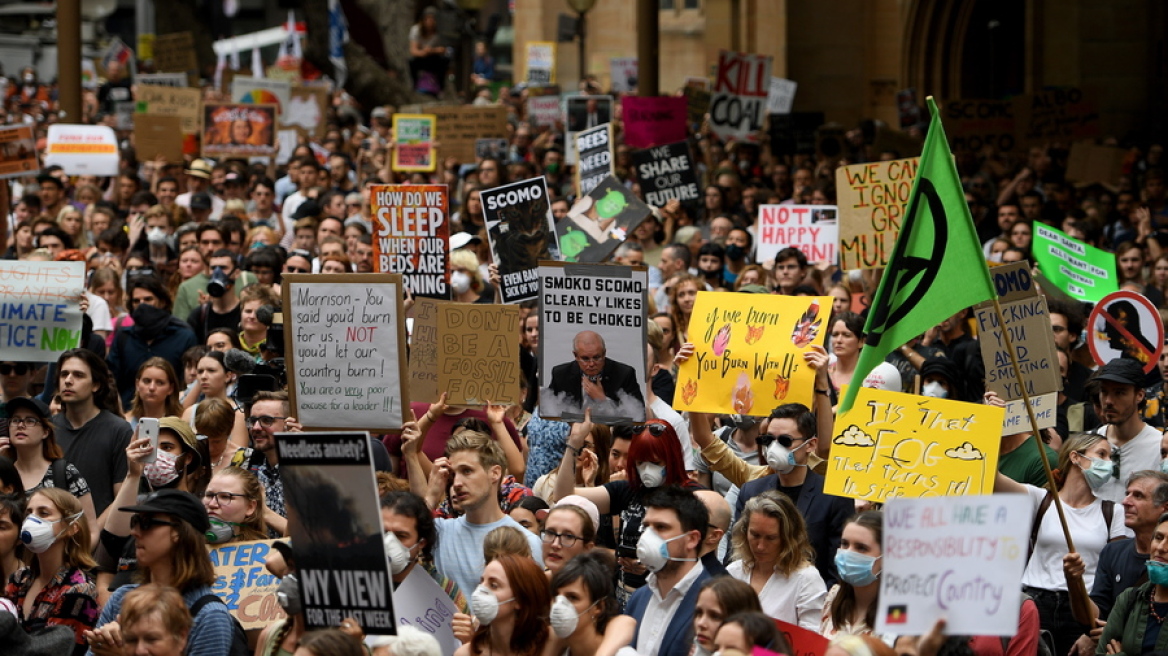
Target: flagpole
{"type": "Point", "coordinates": [1077, 587]}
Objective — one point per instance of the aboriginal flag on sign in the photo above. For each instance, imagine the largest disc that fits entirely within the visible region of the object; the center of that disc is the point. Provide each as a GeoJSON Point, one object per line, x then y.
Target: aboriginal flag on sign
{"type": "Point", "coordinates": [937, 267]}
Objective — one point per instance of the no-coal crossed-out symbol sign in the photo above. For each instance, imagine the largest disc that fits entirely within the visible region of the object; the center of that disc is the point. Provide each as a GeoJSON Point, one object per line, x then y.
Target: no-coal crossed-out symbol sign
{"type": "Point", "coordinates": [1126, 324]}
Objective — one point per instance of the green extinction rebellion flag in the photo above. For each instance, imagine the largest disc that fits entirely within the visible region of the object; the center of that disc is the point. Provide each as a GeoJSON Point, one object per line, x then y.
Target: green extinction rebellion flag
{"type": "Point", "coordinates": [1084, 272]}
{"type": "Point", "coordinates": [937, 267]}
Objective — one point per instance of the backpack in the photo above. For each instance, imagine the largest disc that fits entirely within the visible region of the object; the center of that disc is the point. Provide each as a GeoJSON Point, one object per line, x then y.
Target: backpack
{"type": "Point", "coordinates": [1108, 509]}
{"type": "Point", "coordinates": [238, 637]}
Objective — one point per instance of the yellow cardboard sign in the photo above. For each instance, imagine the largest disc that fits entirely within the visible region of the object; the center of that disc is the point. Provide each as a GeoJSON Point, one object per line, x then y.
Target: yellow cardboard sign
{"type": "Point", "coordinates": [902, 445]}
{"type": "Point", "coordinates": [748, 352]}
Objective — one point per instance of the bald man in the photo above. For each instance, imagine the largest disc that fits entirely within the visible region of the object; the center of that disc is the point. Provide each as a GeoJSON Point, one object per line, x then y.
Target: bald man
{"type": "Point", "coordinates": [593, 380]}
{"type": "Point", "coordinates": [719, 526]}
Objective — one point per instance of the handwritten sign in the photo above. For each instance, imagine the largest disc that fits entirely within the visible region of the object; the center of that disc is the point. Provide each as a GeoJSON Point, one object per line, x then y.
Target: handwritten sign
{"type": "Point", "coordinates": [413, 135]}
{"type": "Point", "coordinates": [169, 101]}
{"type": "Point", "coordinates": [781, 95]}
{"type": "Point", "coordinates": [872, 199]}
{"type": "Point", "coordinates": [423, 376]}
{"type": "Point", "coordinates": [739, 102]}
{"type": "Point", "coordinates": [541, 62]}
{"type": "Point", "coordinates": [623, 71]}
{"type": "Point", "coordinates": [893, 445]}
{"type": "Point", "coordinates": [697, 99]}
{"type": "Point", "coordinates": [161, 79]}
{"type": "Point", "coordinates": [748, 352]}
{"type": "Point", "coordinates": [594, 156]}
{"type": "Point", "coordinates": [175, 52]}
{"type": "Point", "coordinates": [812, 229]}
{"type": "Point", "coordinates": [667, 173]}
{"type": "Point", "coordinates": [18, 154]}
{"type": "Point", "coordinates": [1027, 323]}
{"type": "Point", "coordinates": [420, 603]}
{"type": "Point", "coordinates": [346, 355]}
{"type": "Point", "coordinates": [1126, 324]}
{"type": "Point", "coordinates": [588, 310]}
{"type": "Point", "coordinates": [239, 130]}
{"type": "Point", "coordinates": [654, 120]}
{"type": "Point", "coordinates": [412, 236]}
{"type": "Point", "coordinates": [1063, 114]}
{"type": "Point", "coordinates": [82, 149]}
{"type": "Point", "coordinates": [543, 106]}
{"type": "Point", "coordinates": [158, 136]}
{"type": "Point", "coordinates": [1084, 272]}
{"type": "Point", "coordinates": [335, 524]}
{"type": "Point", "coordinates": [974, 124]}
{"type": "Point", "coordinates": [958, 558]}
{"type": "Point", "coordinates": [41, 316]}
{"type": "Point", "coordinates": [522, 232]}
{"type": "Point", "coordinates": [458, 127]}
{"type": "Point", "coordinates": [243, 583]}
{"type": "Point", "coordinates": [478, 355]}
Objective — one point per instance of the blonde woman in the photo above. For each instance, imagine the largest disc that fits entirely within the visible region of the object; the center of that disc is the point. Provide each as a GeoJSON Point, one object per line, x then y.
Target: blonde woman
{"type": "Point", "coordinates": [234, 501]}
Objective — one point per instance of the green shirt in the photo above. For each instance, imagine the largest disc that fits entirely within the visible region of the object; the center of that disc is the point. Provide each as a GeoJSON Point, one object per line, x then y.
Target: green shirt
{"type": "Point", "coordinates": [187, 298]}
{"type": "Point", "coordinates": [1024, 465]}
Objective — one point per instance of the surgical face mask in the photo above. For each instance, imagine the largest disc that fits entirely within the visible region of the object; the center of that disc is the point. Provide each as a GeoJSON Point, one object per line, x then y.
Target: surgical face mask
{"type": "Point", "coordinates": [652, 474]}
{"type": "Point", "coordinates": [1099, 473]}
{"type": "Point", "coordinates": [564, 618]}
{"type": "Point", "coordinates": [485, 605]}
{"type": "Point", "coordinates": [397, 553]}
{"type": "Point", "coordinates": [855, 568]}
{"type": "Point", "coordinates": [1157, 572]}
{"type": "Point", "coordinates": [29, 79]}
{"type": "Point", "coordinates": [1164, 465]}
{"type": "Point", "coordinates": [460, 282]}
{"type": "Point", "coordinates": [935, 390]}
{"type": "Point", "coordinates": [780, 458]}
{"type": "Point", "coordinates": [38, 535]}
{"type": "Point", "coordinates": [653, 550]}
{"type": "Point", "coordinates": [288, 595]}
{"type": "Point", "coordinates": [221, 531]}
{"type": "Point", "coordinates": [163, 471]}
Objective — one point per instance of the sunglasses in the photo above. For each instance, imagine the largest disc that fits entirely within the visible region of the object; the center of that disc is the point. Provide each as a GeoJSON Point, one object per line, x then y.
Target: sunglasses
{"type": "Point", "coordinates": [146, 522]}
{"type": "Point", "coordinates": [7, 369]}
{"type": "Point", "coordinates": [291, 269]}
{"type": "Point", "coordinates": [656, 430]}
{"type": "Point", "coordinates": [784, 440]}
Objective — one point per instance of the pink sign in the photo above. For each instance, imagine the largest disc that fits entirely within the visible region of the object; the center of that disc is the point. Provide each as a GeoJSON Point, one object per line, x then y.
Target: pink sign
{"type": "Point", "coordinates": [653, 121]}
{"type": "Point", "coordinates": [810, 228]}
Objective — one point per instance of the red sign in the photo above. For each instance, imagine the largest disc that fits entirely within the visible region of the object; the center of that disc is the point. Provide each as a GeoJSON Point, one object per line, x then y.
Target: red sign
{"type": "Point", "coordinates": [802, 641]}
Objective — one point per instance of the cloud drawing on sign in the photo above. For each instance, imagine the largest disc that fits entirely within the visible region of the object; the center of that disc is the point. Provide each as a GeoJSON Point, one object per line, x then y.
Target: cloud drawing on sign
{"type": "Point", "coordinates": [854, 436]}
{"type": "Point", "coordinates": [966, 451]}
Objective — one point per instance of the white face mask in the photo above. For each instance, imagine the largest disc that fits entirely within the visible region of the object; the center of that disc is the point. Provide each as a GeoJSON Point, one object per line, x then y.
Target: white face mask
{"type": "Point", "coordinates": [460, 282]}
{"type": "Point", "coordinates": [399, 556]}
{"type": "Point", "coordinates": [781, 459]}
{"type": "Point", "coordinates": [652, 475]}
{"type": "Point", "coordinates": [653, 550]}
{"type": "Point", "coordinates": [485, 605]}
{"type": "Point", "coordinates": [564, 618]}
{"type": "Point", "coordinates": [38, 535]}
{"type": "Point", "coordinates": [935, 390]}
{"type": "Point", "coordinates": [156, 235]}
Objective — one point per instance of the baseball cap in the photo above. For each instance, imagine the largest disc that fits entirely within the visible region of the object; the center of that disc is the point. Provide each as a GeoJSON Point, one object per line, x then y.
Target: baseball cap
{"type": "Point", "coordinates": [462, 239]}
{"type": "Point", "coordinates": [379, 112]}
{"type": "Point", "coordinates": [201, 201]}
{"type": "Point", "coordinates": [200, 168]}
{"type": "Point", "coordinates": [308, 208]}
{"type": "Point", "coordinates": [182, 505]}
{"type": "Point", "coordinates": [35, 405]}
{"type": "Point", "coordinates": [1121, 370]}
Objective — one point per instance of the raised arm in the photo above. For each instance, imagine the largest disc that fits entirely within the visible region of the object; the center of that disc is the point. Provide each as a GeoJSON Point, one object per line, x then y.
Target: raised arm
{"type": "Point", "coordinates": [566, 478]}
{"type": "Point", "coordinates": [516, 466]}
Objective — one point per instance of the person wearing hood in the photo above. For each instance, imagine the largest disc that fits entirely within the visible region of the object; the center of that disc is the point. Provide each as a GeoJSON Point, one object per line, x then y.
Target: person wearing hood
{"type": "Point", "coordinates": [156, 333]}
{"type": "Point", "coordinates": [940, 379]}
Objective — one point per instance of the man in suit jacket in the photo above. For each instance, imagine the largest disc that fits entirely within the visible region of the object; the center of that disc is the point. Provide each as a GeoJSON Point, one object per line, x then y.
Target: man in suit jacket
{"type": "Point", "coordinates": [588, 114]}
{"type": "Point", "coordinates": [664, 607]}
{"type": "Point", "coordinates": [610, 388]}
{"type": "Point", "coordinates": [787, 442]}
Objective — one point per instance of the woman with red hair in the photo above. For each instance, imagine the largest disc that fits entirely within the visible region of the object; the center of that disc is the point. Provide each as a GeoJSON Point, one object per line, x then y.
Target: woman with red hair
{"type": "Point", "coordinates": [654, 460]}
{"type": "Point", "coordinates": [511, 605]}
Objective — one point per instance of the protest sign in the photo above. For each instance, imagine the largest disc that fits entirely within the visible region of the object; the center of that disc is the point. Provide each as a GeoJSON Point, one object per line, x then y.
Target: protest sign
{"type": "Point", "coordinates": [908, 109]}
{"type": "Point", "coordinates": [40, 317]}
{"type": "Point", "coordinates": [697, 103]}
{"type": "Point", "coordinates": [781, 95]}
{"type": "Point", "coordinates": [522, 232]}
{"type": "Point", "coordinates": [158, 136]}
{"type": "Point", "coordinates": [423, 375]}
{"type": "Point", "coordinates": [738, 104]}
{"type": "Point", "coordinates": [872, 199]}
{"type": "Point", "coordinates": [82, 149]}
{"type": "Point", "coordinates": [490, 149]}
{"type": "Point", "coordinates": [652, 121]}
{"type": "Point", "coordinates": [543, 106]}
{"type": "Point", "coordinates": [623, 73]}
{"type": "Point", "coordinates": [594, 157]}
{"type": "Point", "coordinates": [478, 355]}
{"type": "Point", "coordinates": [175, 52]}
{"type": "Point", "coordinates": [810, 228]}
{"type": "Point", "coordinates": [238, 130]}
{"type": "Point", "coordinates": [1083, 272]}
{"type": "Point", "coordinates": [748, 352]}
{"type": "Point", "coordinates": [161, 79]}
{"type": "Point", "coordinates": [1090, 164]}
{"type": "Point", "coordinates": [973, 124]}
{"type": "Point", "coordinates": [413, 136]}
{"type": "Point", "coordinates": [411, 236]}
{"type": "Point", "coordinates": [1027, 323]}
{"type": "Point", "coordinates": [1126, 325]}
{"type": "Point", "coordinates": [243, 583]}
{"type": "Point", "coordinates": [803, 641]}
{"type": "Point", "coordinates": [891, 445]}
{"type": "Point", "coordinates": [582, 113]}
{"type": "Point", "coordinates": [345, 350]}
{"type": "Point", "coordinates": [541, 62]}
{"type": "Point", "coordinates": [124, 115]}
{"type": "Point", "coordinates": [420, 603]}
{"type": "Point", "coordinates": [18, 154]}
{"type": "Point", "coordinates": [954, 558]}
{"type": "Point", "coordinates": [598, 222]}
{"type": "Point", "coordinates": [261, 91]}
{"type": "Point", "coordinates": [667, 173]}
{"type": "Point", "coordinates": [306, 109]}
{"type": "Point", "coordinates": [335, 523]}
{"type": "Point", "coordinates": [592, 341]}
{"type": "Point", "coordinates": [458, 127]}
{"type": "Point", "coordinates": [169, 101]}
{"type": "Point", "coordinates": [1063, 114]}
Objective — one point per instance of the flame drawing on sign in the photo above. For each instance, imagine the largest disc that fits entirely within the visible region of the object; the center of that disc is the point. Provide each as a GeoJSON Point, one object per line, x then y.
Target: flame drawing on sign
{"type": "Point", "coordinates": [689, 391]}
{"type": "Point", "coordinates": [721, 340]}
{"type": "Point", "coordinates": [807, 328]}
{"type": "Point", "coordinates": [754, 333]}
{"type": "Point", "coordinates": [742, 397]}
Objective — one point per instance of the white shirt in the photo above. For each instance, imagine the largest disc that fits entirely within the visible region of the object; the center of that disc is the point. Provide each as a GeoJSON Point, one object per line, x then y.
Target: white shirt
{"type": "Point", "coordinates": [1140, 452]}
{"type": "Point", "coordinates": [796, 599]}
{"type": "Point", "coordinates": [1045, 569]}
{"type": "Point", "coordinates": [661, 410]}
{"type": "Point", "coordinates": [217, 204]}
{"type": "Point", "coordinates": [659, 611]}
{"type": "Point", "coordinates": [291, 204]}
